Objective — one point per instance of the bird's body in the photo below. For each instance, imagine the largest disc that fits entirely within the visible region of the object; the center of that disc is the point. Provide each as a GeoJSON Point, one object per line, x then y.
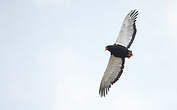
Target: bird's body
{"type": "Point", "coordinates": [119, 51]}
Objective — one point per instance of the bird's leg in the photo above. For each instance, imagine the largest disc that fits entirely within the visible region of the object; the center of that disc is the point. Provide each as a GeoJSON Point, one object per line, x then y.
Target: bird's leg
{"type": "Point", "coordinates": [130, 53]}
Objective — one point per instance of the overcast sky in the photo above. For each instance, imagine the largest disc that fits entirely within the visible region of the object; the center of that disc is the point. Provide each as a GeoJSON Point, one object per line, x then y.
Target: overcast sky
{"type": "Point", "coordinates": [52, 55]}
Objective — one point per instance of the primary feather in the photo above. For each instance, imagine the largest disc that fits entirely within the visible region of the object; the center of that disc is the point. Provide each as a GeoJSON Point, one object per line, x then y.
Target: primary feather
{"type": "Point", "coordinates": [111, 74]}
{"type": "Point", "coordinates": [128, 30]}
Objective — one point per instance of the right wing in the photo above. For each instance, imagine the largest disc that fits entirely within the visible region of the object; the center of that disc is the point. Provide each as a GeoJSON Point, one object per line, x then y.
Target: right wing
{"type": "Point", "coordinates": [112, 74]}
{"type": "Point", "coordinates": [128, 30]}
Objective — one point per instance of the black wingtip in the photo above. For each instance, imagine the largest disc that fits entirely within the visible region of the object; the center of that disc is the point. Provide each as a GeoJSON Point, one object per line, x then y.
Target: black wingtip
{"type": "Point", "coordinates": [103, 92]}
{"type": "Point", "coordinates": [134, 13]}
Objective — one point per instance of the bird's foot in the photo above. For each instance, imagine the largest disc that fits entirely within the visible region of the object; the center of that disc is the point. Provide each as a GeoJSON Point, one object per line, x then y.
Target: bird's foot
{"type": "Point", "coordinates": [130, 53]}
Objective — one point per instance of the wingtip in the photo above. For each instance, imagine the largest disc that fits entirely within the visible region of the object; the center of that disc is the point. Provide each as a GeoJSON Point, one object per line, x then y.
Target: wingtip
{"type": "Point", "coordinates": [103, 91]}
{"type": "Point", "coordinates": [134, 10]}
{"type": "Point", "coordinates": [134, 13]}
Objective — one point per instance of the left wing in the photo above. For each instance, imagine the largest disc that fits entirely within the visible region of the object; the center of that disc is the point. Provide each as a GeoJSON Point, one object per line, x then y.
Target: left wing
{"type": "Point", "coordinates": [112, 74]}
{"type": "Point", "coordinates": [128, 30]}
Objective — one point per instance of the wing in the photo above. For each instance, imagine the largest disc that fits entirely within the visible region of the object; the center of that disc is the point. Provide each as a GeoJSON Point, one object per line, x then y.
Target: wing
{"type": "Point", "coordinates": [128, 30]}
{"type": "Point", "coordinates": [112, 74]}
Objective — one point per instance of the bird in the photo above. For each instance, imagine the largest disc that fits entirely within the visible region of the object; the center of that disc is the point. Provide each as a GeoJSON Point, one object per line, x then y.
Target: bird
{"type": "Point", "coordinates": [119, 51]}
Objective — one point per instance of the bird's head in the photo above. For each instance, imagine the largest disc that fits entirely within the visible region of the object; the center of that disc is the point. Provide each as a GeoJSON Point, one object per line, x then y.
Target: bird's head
{"type": "Point", "coordinates": [108, 47]}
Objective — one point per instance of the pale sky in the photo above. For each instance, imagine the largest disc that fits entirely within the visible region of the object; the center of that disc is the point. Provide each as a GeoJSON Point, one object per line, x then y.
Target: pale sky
{"type": "Point", "coordinates": [52, 55]}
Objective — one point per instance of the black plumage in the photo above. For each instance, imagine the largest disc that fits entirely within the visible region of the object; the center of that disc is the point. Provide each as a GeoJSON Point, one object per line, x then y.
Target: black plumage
{"type": "Point", "coordinates": [118, 50]}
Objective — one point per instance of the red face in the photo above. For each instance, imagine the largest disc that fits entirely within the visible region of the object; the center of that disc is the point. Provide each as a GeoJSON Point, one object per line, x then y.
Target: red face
{"type": "Point", "coordinates": [106, 48]}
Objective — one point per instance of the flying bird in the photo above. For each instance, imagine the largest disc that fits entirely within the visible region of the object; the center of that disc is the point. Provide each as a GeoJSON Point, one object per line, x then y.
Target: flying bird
{"type": "Point", "coordinates": [119, 51]}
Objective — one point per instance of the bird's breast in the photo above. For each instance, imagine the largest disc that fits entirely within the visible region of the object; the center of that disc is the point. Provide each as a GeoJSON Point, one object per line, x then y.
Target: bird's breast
{"type": "Point", "coordinates": [119, 51]}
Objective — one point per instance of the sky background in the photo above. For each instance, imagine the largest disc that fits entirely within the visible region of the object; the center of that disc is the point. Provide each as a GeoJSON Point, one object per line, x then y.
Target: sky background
{"type": "Point", "coordinates": [52, 55]}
